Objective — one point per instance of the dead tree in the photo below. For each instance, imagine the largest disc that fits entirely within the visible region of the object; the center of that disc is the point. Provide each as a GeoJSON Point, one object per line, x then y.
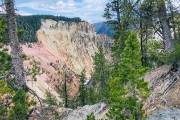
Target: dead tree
{"type": "Point", "coordinates": [165, 25]}
{"type": "Point", "coordinates": [65, 91]}
{"type": "Point", "coordinates": [16, 51]}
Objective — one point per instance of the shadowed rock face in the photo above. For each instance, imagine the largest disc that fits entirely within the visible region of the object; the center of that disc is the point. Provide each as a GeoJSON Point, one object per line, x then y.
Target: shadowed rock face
{"type": "Point", "coordinates": [64, 46]}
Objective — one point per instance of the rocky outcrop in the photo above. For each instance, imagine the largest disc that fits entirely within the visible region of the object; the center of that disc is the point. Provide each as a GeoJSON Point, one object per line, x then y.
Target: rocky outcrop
{"type": "Point", "coordinates": [168, 114]}
{"type": "Point", "coordinates": [84, 27]}
{"type": "Point", "coordinates": [63, 47]}
{"type": "Point", "coordinates": [164, 83]}
{"type": "Point", "coordinates": [98, 110]}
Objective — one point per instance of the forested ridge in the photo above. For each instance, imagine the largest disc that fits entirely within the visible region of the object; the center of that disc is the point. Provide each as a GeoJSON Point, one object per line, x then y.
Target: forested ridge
{"type": "Point", "coordinates": [119, 83]}
{"type": "Point", "coordinates": [31, 24]}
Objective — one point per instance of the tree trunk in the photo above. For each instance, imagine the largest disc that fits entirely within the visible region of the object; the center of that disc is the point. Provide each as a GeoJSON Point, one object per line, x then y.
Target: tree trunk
{"type": "Point", "coordinates": [173, 21]}
{"type": "Point", "coordinates": [169, 45]}
{"type": "Point", "coordinates": [16, 52]}
{"type": "Point", "coordinates": [118, 12]}
{"type": "Point", "coordinates": [65, 91]}
{"type": "Point", "coordinates": [141, 41]}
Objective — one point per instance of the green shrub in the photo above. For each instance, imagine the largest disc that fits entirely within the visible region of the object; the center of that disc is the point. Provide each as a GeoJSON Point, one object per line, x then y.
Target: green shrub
{"type": "Point", "coordinates": [25, 57]}
{"type": "Point", "coordinates": [174, 56]}
{"type": "Point", "coordinates": [21, 32]}
{"type": "Point", "coordinates": [90, 117]}
{"type": "Point", "coordinates": [156, 56]}
{"type": "Point", "coordinates": [5, 62]}
{"type": "Point", "coordinates": [50, 99]}
{"type": "Point", "coordinates": [1, 45]}
{"type": "Point", "coordinates": [20, 110]}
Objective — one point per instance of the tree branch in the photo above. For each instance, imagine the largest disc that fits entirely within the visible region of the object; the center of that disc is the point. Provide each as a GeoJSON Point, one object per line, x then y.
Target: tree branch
{"type": "Point", "coordinates": [39, 99]}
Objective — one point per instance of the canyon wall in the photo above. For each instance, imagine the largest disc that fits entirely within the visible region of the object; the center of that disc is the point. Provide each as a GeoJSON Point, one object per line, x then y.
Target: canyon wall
{"type": "Point", "coordinates": [62, 48]}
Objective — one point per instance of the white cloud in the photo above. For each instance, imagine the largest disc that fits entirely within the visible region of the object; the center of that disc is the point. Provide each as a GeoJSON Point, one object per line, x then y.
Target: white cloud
{"type": "Point", "coordinates": [65, 4]}
{"type": "Point", "coordinates": [24, 13]}
{"type": "Point", "coordinates": [2, 10]}
{"type": "Point", "coordinates": [89, 10]}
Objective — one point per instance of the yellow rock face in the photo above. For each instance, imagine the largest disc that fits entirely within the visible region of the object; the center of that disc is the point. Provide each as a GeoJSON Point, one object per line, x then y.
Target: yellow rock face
{"type": "Point", "coordinates": [63, 47]}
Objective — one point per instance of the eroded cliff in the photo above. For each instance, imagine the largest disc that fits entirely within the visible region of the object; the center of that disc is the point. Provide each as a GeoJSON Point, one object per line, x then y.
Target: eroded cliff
{"type": "Point", "coordinates": [62, 48]}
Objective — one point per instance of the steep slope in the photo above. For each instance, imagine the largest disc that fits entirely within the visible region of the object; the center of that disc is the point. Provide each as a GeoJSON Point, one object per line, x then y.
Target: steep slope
{"type": "Point", "coordinates": [164, 84]}
{"type": "Point", "coordinates": [161, 104]}
{"type": "Point", "coordinates": [62, 48]}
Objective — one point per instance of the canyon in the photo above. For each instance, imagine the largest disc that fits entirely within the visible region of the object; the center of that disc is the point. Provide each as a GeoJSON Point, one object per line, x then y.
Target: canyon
{"type": "Point", "coordinates": [63, 48]}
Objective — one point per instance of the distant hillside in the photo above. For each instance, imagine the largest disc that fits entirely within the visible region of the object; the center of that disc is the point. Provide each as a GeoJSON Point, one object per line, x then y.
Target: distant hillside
{"type": "Point", "coordinates": [103, 28]}
{"type": "Point", "coordinates": [32, 23]}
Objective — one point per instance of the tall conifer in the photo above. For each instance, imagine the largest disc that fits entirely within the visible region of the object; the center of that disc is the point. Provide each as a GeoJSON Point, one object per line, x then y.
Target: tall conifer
{"type": "Point", "coordinates": [127, 87]}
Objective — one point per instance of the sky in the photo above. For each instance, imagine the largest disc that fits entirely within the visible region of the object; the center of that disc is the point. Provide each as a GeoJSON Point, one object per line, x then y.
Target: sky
{"type": "Point", "coordinates": [89, 10]}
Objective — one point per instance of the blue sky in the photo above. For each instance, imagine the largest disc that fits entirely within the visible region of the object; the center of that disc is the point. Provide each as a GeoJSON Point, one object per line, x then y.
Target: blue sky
{"type": "Point", "coordinates": [89, 10]}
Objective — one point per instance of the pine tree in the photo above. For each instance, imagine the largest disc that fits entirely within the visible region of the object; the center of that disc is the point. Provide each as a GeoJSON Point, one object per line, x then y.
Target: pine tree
{"type": "Point", "coordinates": [16, 52]}
{"type": "Point", "coordinates": [5, 66]}
{"type": "Point", "coordinates": [119, 14]}
{"type": "Point", "coordinates": [5, 62]}
{"type": "Point", "coordinates": [19, 99]}
{"type": "Point", "coordinates": [82, 97]}
{"type": "Point", "coordinates": [63, 91]}
{"type": "Point", "coordinates": [163, 19]}
{"type": "Point", "coordinates": [20, 110]}
{"type": "Point", "coordinates": [4, 90]}
{"type": "Point", "coordinates": [127, 86]}
{"type": "Point", "coordinates": [92, 97]}
{"type": "Point", "coordinates": [101, 75]}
